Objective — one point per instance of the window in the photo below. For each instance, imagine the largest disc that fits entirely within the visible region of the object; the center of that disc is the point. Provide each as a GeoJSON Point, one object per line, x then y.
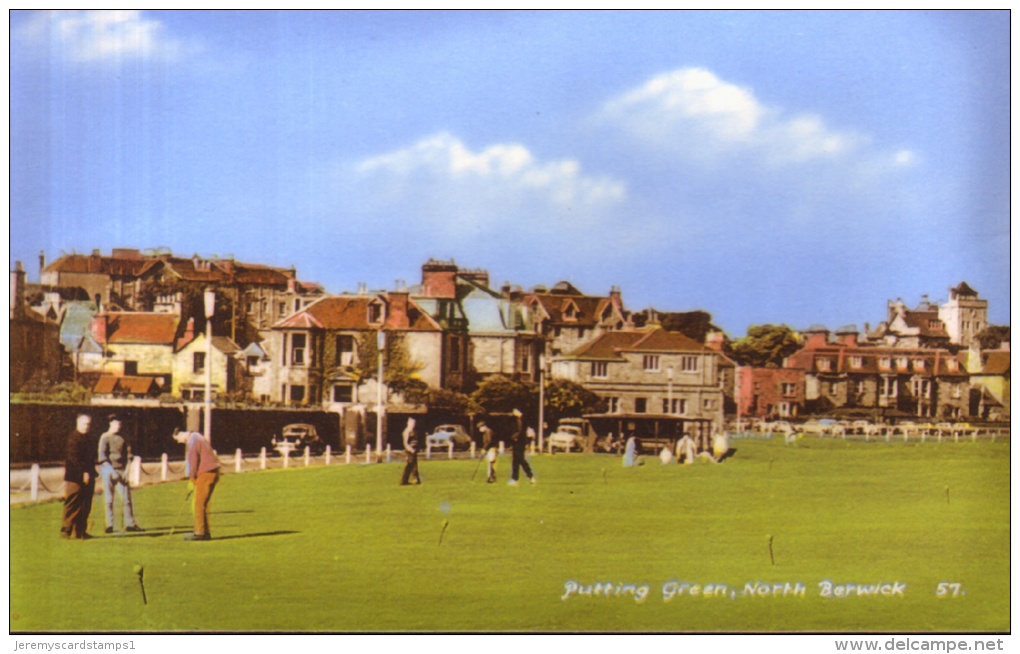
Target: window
{"type": "Point", "coordinates": [921, 388]}
{"type": "Point", "coordinates": [641, 405]}
{"type": "Point", "coordinates": [651, 362]}
{"type": "Point", "coordinates": [282, 309]}
{"type": "Point", "coordinates": [689, 364]}
{"type": "Point", "coordinates": [343, 393]}
{"type": "Point", "coordinates": [599, 369]}
{"type": "Point", "coordinates": [788, 388]}
{"type": "Point", "coordinates": [581, 332]}
{"type": "Point", "coordinates": [708, 404]}
{"type": "Point", "coordinates": [918, 364]}
{"type": "Point", "coordinates": [344, 350]}
{"type": "Point", "coordinates": [297, 393]}
{"type": "Point", "coordinates": [885, 363]}
{"type": "Point", "coordinates": [677, 407]}
{"type": "Point", "coordinates": [824, 364]}
{"type": "Point", "coordinates": [613, 404]}
{"type": "Point", "coordinates": [951, 365]}
{"type": "Point", "coordinates": [856, 362]}
{"type": "Point", "coordinates": [375, 313]}
{"type": "Point", "coordinates": [957, 391]}
{"type": "Point", "coordinates": [859, 386]}
{"type": "Point", "coordinates": [453, 362]}
{"type": "Point", "coordinates": [784, 410]}
{"type": "Point", "coordinates": [297, 346]}
{"type": "Point", "coordinates": [198, 362]}
{"type": "Point", "coordinates": [887, 387]}
{"type": "Point", "coordinates": [131, 368]}
{"type": "Point", "coordinates": [901, 363]}
{"type": "Point", "coordinates": [253, 362]}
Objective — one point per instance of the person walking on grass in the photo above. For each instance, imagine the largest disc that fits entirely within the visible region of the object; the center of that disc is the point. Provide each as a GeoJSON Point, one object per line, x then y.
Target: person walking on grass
{"type": "Point", "coordinates": [488, 451]}
{"type": "Point", "coordinates": [519, 443]}
{"type": "Point", "coordinates": [114, 453]}
{"type": "Point", "coordinates": [203, 469]}
{"type": "Point", "coordinates": [79, 480]}
{"type": "Point", "coordinates": [411, 451]}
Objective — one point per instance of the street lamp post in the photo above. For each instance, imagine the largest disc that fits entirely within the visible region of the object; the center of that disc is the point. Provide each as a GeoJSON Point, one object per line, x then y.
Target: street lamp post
{"type": "Point", "coordinates": [541, 402]}
{"type": "Point", "coordinates": [669, 390]}
{"type": "Point", "coordinates": [210, 308]}
{"type": "Point", "coordinates": [381, 346]}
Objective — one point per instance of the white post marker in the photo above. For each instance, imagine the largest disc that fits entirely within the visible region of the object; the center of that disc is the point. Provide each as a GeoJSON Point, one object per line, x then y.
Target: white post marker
{"type": "Point", "coordinates": [450, 449]}
{"type": "Point", "coordinates": [388, 453]}
{"type": "Point", "coordinates": [163, 465]}
{"type": "Point", "coordinates": [428, 450]}
{"type": "Point", "coordinates": [286, 458]}
{"type": "Point", "coordinates": [136, 471]}
{"type": "Point", "coordinates": [347, 454]}
{"type": "Point", "coordinates": [472, 449]}
{"type": "Point", "coordinates": [368, 454]}
{"type": "Point", "coordinates": [308, 456]}
{"type": "Point", "coordinates": [35, 482]}
{"type": "Point", "coordinates": [502, 447]}
{"type": "Point", "coordinates": [237, 460]}
{"type": "Point", "coordinates": [262, 459]}
{"type": "Point", "coordinates": [329, 452]}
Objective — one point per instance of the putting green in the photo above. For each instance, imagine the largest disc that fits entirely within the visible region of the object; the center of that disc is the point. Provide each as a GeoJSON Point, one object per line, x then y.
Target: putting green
{"type": "Point", "coordinates": [904, 537]}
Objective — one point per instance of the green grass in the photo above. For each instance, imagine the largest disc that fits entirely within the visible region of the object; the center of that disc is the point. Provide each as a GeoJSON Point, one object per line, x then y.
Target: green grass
{"type": "Point", "coordinates": [345, 549]}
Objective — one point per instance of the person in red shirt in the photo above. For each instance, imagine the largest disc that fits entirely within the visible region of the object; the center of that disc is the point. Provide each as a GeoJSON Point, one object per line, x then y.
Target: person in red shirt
{"type": "Point", "coordinates": [203, 469]}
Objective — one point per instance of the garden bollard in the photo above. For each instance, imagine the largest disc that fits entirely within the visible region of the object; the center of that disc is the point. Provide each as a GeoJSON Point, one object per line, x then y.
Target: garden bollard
{"type": "Point", "coordinates": [449, 449]}
{"type": "Point", "coordinates": [262, 459]}
{"type": "Point", "coordinates": [136, 471]}
{"type": "Point", "coordinates": [388, 453]}
{"type": "Point", "coordinates": [163, 466]}
{"type": "Point", "coordinates": [347, 454]}
{"type": "Point", "coordinates": [35, 481]}
{"type": "Point", "coordinates": [329, 453]}
{"type": "Point", "coordinates": [472, 449]}
{"type": "Point", "coordinates": [237, 460]}
{"type": "Point", "coordinates": [308, 456]}
{"type": "Point", "coordinates": [286, 459]}
{"type": "Point", "coordinates": [502, 447]}
{"type": "Point", "coordinates": [368, 454]}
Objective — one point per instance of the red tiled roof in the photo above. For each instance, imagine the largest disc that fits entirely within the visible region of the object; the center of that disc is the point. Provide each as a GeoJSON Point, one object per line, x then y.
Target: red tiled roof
{"type": "Point", "coordinates": [610, 344]}
{"type": "Point", "coordinates": [841, 360]}
{"type": "Point", "coordinates": [346, 312]}
{"type": "Point", "coordinates": [150, 328]}
{"type": "Point", "coordinates": [589, 308]}
{"type": "Point", "coordinates": [927, 322]}
{"type": "Point", "coordinates": [995, 362]}
{"type": "Point", "coordinates": [131, 385]}
{"type": "Point", "coordinates": [223, 271]}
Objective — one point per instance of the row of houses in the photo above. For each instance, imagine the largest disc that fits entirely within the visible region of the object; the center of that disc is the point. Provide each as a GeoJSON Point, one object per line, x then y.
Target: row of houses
{"type": "Point", "coordinates": [130, 324]}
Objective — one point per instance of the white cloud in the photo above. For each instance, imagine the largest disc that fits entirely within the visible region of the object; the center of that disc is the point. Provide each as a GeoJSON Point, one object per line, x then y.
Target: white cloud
{"type": "Point", "coordinates": [499, 180]}
{"type": "Point", "coordinates": [692, 114]}
{"type": "Point", "coordinates": [93, 36]}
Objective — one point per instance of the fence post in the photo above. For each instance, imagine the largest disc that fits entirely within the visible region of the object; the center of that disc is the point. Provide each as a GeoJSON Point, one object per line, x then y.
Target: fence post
{"type": "Point", "coordinates": [308, 454]}
{"type": "Point", "coordinates": [136, 471]}
{"type": "Point", "coordinates": [388, 453]}
{"type": "Point", "coordinates": [35, 482]}
{"type": "Point", "coordinates": [262, 459]}
{"type": "Point", "coordinates": [347, 454]}
{"type": "Point", "coordinates": [286, 458]}
{"type": "Point", "coordinates": [502, 448]}
{"type": "Point", "coordinates": [472, 449]}
{"type": "Point", "coordinates": [163, 466]}
{"type": "Point", "coordinates": [237, 460]}
{"type": "Point", "coordinates": [329, 452]}
{"type": "Point", "coordinates": [368, 453]}
{"type": "Point", "coordinates": [449, 449]}
{"type": "Point", "coordinates": [428, 450]}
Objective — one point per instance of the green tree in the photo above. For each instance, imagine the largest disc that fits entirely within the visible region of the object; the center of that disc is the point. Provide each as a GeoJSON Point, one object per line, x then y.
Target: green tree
{"type": "Point", "coordinates": [400, 370]}
{"type": "Point", "coordinates": [567, 399]}
{"type": "Point", "coordinates": [442, 399]}
{"type": "Point", "coordinates": [499, 394]}
{"type": "Point", "coordinates": [765, 346]}
{"type": "Point", "coordinates": [992, 336]}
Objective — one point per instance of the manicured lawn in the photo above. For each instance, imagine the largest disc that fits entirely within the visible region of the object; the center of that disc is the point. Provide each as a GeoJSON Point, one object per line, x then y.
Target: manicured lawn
{"type": "Point", "coordinates": [345, 549]}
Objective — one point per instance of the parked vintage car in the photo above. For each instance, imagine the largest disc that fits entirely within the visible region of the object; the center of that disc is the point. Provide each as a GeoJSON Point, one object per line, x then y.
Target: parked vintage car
{"type": "Point", "coordinates": [566, 437]}
{"type": "Point", "coordinates": [445, 434]}
{"type": "Point", "coordinates": [298, 436]}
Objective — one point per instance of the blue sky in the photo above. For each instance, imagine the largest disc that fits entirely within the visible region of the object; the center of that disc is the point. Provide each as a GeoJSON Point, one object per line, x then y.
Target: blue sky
{"type": "Point", "coordinates": [785, 167]}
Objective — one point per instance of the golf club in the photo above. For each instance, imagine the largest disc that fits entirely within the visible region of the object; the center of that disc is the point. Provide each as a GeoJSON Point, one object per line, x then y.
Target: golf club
{"type": "Point", "coordinates": [173, 527]}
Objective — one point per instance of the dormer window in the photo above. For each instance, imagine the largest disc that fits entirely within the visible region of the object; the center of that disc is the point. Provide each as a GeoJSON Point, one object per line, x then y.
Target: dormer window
{"type": "Point", "coordinates": [952, 365]}
{"type": "Point", "coordinates": [856, 362]}
{"type": "Point", "coordinates": [824, 364]}
{"type": "Point", "coordinates": [885, 363]}
{"type": "Point", "coordinates": [375, 313]}
{"type": "Point", "coordinates": [901, 363]}
{"type": "Point", "coordinates": [570, 311]}
{"type": "Point", "coordinates": [918, 364]}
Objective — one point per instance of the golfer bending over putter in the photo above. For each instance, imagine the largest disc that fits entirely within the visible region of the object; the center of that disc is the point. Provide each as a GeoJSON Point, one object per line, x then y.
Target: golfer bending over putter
{"type": "Point", "coordinates": [203, 469]}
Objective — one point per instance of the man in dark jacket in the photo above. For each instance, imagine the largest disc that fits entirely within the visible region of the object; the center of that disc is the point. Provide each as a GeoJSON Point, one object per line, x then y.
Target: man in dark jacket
{"type": "Point", "coordinates": [519, 443]}
{"type": "Point", "coordinates": [79, 480]}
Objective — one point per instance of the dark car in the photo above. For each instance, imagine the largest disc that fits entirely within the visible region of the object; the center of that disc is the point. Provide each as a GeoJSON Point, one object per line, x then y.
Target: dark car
{"type": "Point", "coordinates": [301, 435]}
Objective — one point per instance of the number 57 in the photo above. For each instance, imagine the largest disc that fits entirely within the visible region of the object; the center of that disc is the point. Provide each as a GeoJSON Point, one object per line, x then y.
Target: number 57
{"type": "Point", "coordinates": [946, 589]}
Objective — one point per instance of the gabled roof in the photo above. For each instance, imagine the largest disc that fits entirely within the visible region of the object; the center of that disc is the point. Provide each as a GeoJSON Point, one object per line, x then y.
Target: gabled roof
{"type": "Point", "coordinates": [611, 344]}
{"type": "Point", "coordinates": [350, 313]}
{"type": "Point", "coordinates": [129, 385]}
{"type": "Point", "coordinates": [926, 322]}
{"type": "Point", "coordinates": [964, 289]}
{"type": "Point", "coordinates": [196, 269]}
{"type": "Point", "coordinates": [841, 359]}
{"type": "Point", "coordinates": [141, 328]}
{"type": "Point", "coordinates": [589, 308]}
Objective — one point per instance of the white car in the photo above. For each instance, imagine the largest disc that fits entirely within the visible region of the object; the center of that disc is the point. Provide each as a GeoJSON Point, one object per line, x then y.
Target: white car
{"type": "Point", "coordinates": [565, 438]}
